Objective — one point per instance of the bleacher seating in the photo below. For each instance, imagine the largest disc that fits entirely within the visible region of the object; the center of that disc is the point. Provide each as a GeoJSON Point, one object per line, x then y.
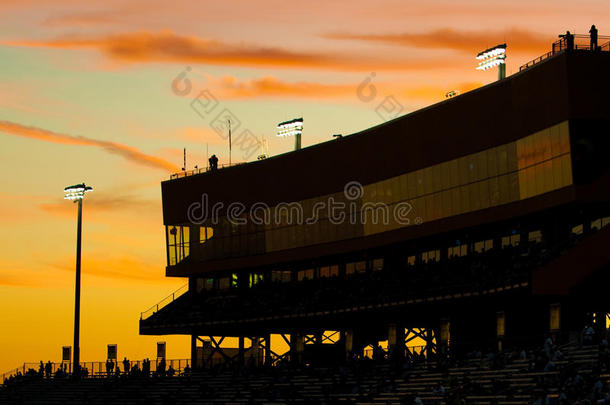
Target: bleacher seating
{"type": "Point", "coordinates": [475, 380]}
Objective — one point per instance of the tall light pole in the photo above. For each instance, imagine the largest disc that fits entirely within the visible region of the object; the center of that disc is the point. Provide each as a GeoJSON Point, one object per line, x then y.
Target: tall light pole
{"type": "Point", "coordinates": [492, 57]}
{"type": "Point", "coordinates": [291, 128]}
{"type": "Point", "coordinates": [76, 193]}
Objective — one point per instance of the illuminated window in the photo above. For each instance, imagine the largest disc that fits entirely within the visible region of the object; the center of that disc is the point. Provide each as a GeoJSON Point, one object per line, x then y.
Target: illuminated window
{"type": "Point", "coordinates": [377, 264]}
{"type": "Point", "coordinates": [555, 317]}
{"type": "Point", "coordinates": [177, 244]}
{"type": "Point", "coordinates": [431, 256]}
{"type": "Point", "coordinates": [281, 276]}
{"type": "Point", "coordinates": [224, 283]}
{"type": "Point", "coordinates": [254, 279]}
{"type": "Point", "coordinates": [535, 236]}
{"type": "Point", "coordinates": [305, 274]}
{"type": "Point", "coordinates": [577, 230]}
{"type": "Point", "coordinates": [411, 260]}
{"type": "Point", "coordinates": [329, 271]}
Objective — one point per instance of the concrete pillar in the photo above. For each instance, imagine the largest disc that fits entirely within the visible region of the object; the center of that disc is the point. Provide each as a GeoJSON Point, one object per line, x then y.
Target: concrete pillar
{"type": "Point", "coordinates": [429, 343]}
{"type": "Point", "coordinates": [194, 352]}
{"type": "Point", "coordinates": [396, 341]}
{"type": "Point", "coordinates": [500, 328]}
{"type": "Point", "coordinates": [241, 351]}
{"type": "Point", "coordinates": [445, 334]}
{"type": "Point", "coordinates": [268, 349]}
{"type": "Point", "coordinates": [348, 338]}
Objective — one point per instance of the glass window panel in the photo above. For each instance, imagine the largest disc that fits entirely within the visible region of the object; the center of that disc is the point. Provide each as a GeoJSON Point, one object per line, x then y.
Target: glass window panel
{"type": "Point", "coordinates": [412, 184]}
{"type": "Point", "coordinates": [492, 162]}
{"type": "Point", "coordinates": [481, 159]}
{"type": "Point", "coordinates": [596, 224]}
{"type": "Point", "coordinates": [411, 260]}
{"type": "Point", "coordinates": [484, 194]}
{"type": "Point", "coordinates": [489, 244]}
{"type": "Point", "coordinates": [502, 156]}
{"type": "Point", "coordinates": [420, 183]}
{"type": "Point", "coordinates": [454, 173]}
{"type": "Point", "coordinates": [445, 174]}
{"type": "Point", "coordinates": [437, 183]}
{"type": "Point", "coordinates": [428, 180]}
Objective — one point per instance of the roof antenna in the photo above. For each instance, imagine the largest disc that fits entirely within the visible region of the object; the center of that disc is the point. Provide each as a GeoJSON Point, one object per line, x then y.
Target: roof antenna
{"type": "Point", "coordinates": [184, 167]}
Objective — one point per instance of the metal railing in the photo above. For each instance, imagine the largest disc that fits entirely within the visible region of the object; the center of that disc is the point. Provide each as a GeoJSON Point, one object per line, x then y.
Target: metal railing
{"type": "Point", "coordinates": [164, 302]}
{"type": "Point", "coordinates": [186, 173]}
{"type": "Point", "coordinates": [581, 43]}
{"type": "Point", "coordinates": [97, 369]}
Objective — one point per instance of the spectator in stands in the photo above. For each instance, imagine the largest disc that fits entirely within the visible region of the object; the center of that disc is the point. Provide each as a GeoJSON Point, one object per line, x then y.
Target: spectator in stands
{"type": "Point", "coordinates": [161, 367]}
{"type": "Point", "coordinates": [126, 365]}
{"type": "Point", "coordinates": [48, 369]}
{"type": "Point", "coordinates": [41, 369]}
{"type": "Point", "coordinates": [548, 346]}
{"type": "Point", "coordinates": [588, 333]}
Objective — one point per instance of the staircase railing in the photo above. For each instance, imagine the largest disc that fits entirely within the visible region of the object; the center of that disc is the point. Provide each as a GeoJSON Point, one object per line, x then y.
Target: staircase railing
{"type": "Point", "coordinates": [164, 302]}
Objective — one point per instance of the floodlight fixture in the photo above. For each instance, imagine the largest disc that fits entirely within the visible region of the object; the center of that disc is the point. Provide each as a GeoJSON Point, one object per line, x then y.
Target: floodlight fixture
{"type": "Point", "coordinates": [493, 57]}
{"type": "Point", "coordinates": [76, 192]}
{"type": "Point", "coordinates": [292, 127]}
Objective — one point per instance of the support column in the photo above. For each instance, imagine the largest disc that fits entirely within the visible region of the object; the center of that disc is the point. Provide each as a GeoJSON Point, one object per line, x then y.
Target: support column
{"type": "Point", "coordinates": [241, 351]}
{"type": "Point", "coordinates": [429, 344]}
{"type": "Point", "coordinates": [194, 364]}
{"type": "Point", "coordinates": [445, 334]}
{"type": "Point", "coordinates": [268, 349]}
{"type": "Point", "coordinates": [500, 329]}
{"type": "Point", "coordinates": [348, 337]}
{"type": "Point", "coordinates": [396, 341]}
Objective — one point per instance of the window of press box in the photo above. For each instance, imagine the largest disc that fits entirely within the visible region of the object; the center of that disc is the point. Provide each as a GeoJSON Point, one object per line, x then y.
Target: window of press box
{"type": "Point", "coordinates": [599, 223]}
{"type": "Point", "coordinates": [355, 267]}
{"type": "Point", "coordinates": [177, 244]}
{"type": "Point", "coordinates": [282, 276]}
{"type": "Point", "coordinates": [206, 284]}
{"type": "Point", "coordinates": [483, 245]}
{"type": "Point", "coordinates": [378, 264]}
{"type": "Point", "coordinates": [458, 250]}
{"type": "Point", "coordinates": [512, 240]}
{"type": "Point", "coordinates": [329, 271]}
{"type": "Point", "coordinates": [305, 274]}
{"type": "Point", "coordinates": [431, 256]}
{"type": "Point", "coordinates": [535, 236]}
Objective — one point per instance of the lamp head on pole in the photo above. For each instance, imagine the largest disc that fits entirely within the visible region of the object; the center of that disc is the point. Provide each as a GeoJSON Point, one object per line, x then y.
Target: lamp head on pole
{"type": "Point", "coordinates": [76, 192]}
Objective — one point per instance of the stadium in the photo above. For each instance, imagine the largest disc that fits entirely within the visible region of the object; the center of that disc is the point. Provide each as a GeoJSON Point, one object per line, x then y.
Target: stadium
{"type": "Point", "coordinates": [456, 254]}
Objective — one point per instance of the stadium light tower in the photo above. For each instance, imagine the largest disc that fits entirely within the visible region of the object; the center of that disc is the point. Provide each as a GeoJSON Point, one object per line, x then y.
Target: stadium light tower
{"type": "Point", "coordinates": [492, 57]}
{"type": "Point", "coordinates": [76, 193]}
{"type": "Point", "coordinates": [289, 128]}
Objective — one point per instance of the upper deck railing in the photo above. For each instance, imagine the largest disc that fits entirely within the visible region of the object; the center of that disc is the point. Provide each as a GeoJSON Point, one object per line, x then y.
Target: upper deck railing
{"type": "Point", "coordinates": [186, 173]}
{"type": "Point", "coordinates": [581, 43]}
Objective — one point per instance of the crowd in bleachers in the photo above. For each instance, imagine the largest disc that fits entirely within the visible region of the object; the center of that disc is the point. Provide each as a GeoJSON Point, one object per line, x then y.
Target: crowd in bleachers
{"type": "Point", "coordinates": [547, 375]}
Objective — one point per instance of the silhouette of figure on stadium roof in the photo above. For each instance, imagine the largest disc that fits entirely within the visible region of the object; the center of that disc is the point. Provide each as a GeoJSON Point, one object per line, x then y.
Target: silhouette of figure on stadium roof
{"type": "Point", "coordinates": [593, 32]}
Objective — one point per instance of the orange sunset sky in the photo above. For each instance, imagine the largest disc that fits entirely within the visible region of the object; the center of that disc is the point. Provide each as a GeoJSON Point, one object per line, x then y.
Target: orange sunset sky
{"type": "Point", "coordinates": [86, 95]}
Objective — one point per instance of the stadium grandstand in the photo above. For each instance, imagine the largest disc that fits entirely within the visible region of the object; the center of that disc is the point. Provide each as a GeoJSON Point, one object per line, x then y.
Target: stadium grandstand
{"type": "Point", "coordinates": [457, 254]}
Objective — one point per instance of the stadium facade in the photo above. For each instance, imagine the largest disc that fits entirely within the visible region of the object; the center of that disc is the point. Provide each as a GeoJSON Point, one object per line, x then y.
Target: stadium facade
{"type": "Point", "coordinates": [479, 221]}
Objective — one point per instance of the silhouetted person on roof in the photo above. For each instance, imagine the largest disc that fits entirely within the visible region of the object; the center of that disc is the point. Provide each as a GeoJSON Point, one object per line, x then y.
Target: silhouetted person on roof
{"type": "Point", "coordinates": [213, 163]}
{"type": "Point", "coordinates": [593, 32]}
{"type": "Point", "coordinates": [569, 40]}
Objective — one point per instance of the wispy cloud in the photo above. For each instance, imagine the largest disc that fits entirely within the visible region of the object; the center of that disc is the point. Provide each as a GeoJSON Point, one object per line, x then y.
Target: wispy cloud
{"type": "Point", "coordinates": [166, 46]}
{"type": "Point", "coordinates": [118, 267]}
{"type": "Point", "coordinates": [519, 40]}
{"type": "Point", "coordinates": [229, 87]}
{"type": "Point", "coordinates": [128, 152]}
